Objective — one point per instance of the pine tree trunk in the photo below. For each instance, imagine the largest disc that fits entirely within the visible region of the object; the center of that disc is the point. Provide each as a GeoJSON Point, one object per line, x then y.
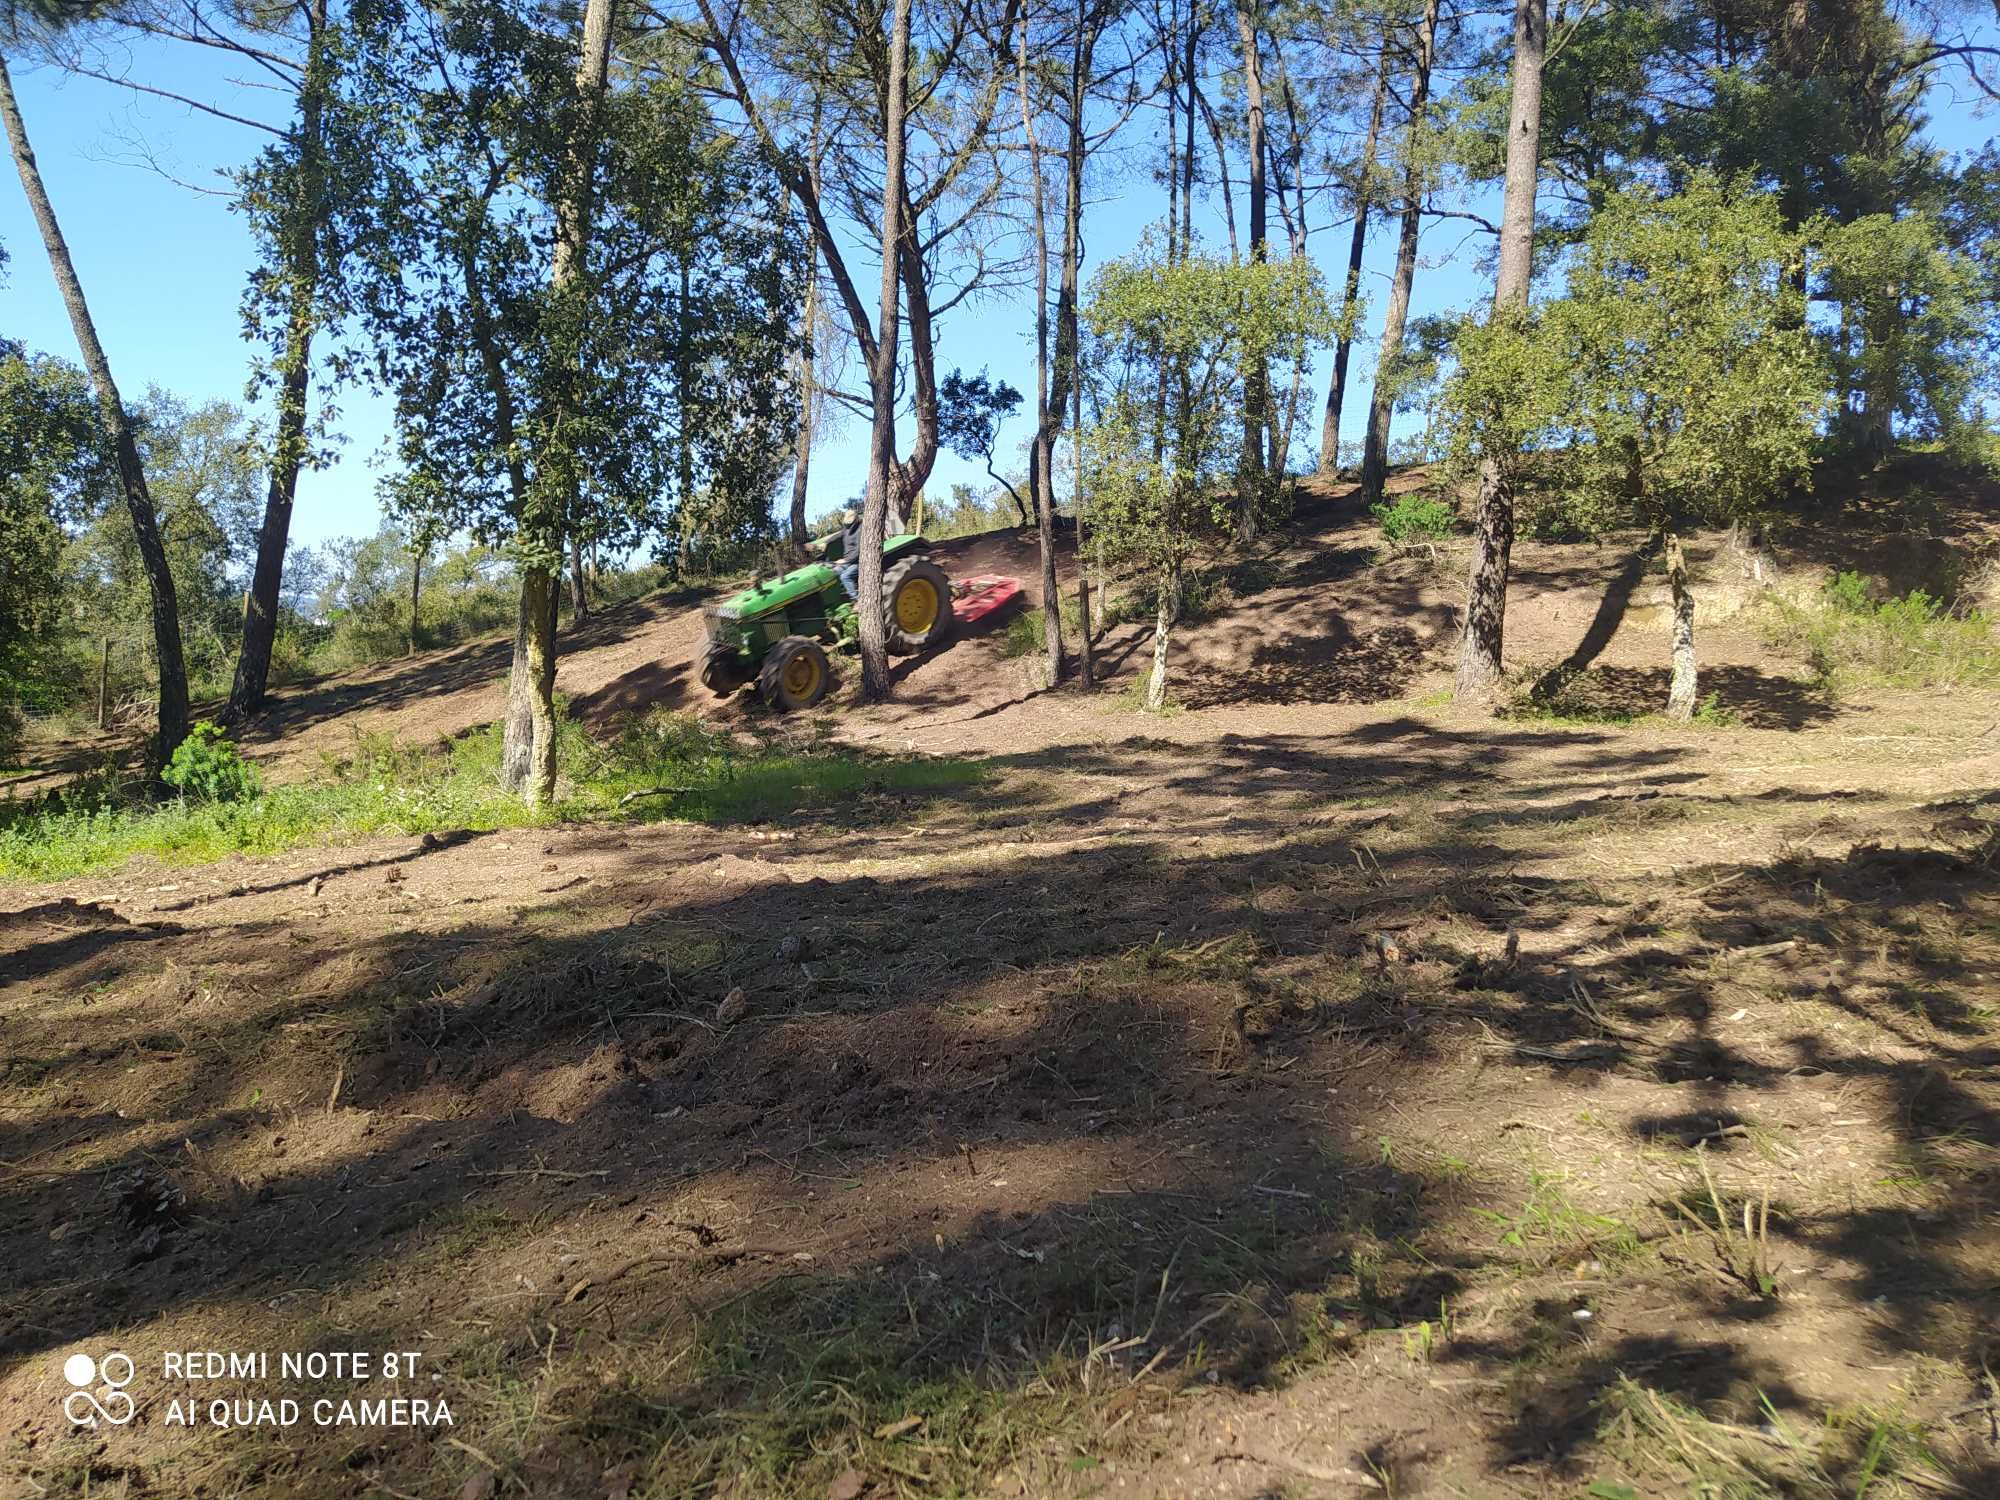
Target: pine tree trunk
{"type": "Point", "coordinates": [1257, 378]}
{"type": "Point", "coordinates": [1381, 402]}
{"type": "Point", "coordinates": [1041, 471]}
{"type": "Point", "coordinates": [1336, 396]}
{"type": "Point", "coordinates": [288, 450]}
{"type": "Point", "coordinates": [808, 392]}
{"type": "Point", "coordinates": [1482, 640]}
{"type": "Point", "coordinates": [1681, 691]}
{"type": "Point", "coordinates": [173, 700]}
{"type": "Point", "coordinates": [1187, 148]}
{"type": "Point", "coordinates": [882, 468]}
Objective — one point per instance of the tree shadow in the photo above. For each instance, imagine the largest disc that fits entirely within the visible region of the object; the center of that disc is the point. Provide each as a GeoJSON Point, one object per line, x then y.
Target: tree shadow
{"type": "Point", "coordinates": [1006, 1099]}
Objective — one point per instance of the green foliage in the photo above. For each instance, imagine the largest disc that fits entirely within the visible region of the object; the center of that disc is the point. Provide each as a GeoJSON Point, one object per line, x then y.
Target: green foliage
{"type": "Point", "coordinates": [205, 474]}
{"type": "Point", "coordinates": [52, 471]}
{"type": "Point", "coordinates": [969, 511]}
{"type": "Point", "coordinates": [1189, 326]}
{"type": "Point", "coordinates": [206, 767]}
{"type": "Point", "coordinates": [385, 786]}
{"type": "Point", "coordinates": [646, 394]}
{"type": "Point", "coordinates": [1414, 520]}
{"type": "Point", "coordinates": [1916, 331]}
{"type": "Point", "coordinates": [1674, 380]}
{"type": "Point", "coordinates": [1847, 636]}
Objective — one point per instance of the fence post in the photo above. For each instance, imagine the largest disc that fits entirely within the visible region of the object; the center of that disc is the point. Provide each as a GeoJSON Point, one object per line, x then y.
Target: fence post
{"type": "Point", "coordinates": [104, 685]}
{"type": "Point", "coordinates": [1088, 663]}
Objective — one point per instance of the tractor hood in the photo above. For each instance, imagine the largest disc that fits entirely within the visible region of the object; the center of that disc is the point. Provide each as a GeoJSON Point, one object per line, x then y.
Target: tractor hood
{"type": "Point", "coordinates": [778, 593]}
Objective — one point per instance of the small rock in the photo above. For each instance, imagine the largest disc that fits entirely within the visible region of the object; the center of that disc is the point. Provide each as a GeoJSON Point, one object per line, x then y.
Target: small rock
{"type": "Point", "coordinates": [549, 864]}
{"type": "Point", "coordinates": [735, 1006]}
{"type": "Point", "coordinates": [848, 1486]}
{"type": "Point", "coordinates": [480, 1486]}
{"type": "Point", "coordinates": [393, 875]}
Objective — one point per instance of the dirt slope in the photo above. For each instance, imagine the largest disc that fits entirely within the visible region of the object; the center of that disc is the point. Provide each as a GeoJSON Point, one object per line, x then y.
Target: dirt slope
{"type": "Point", "coordinates": [1307, 623]}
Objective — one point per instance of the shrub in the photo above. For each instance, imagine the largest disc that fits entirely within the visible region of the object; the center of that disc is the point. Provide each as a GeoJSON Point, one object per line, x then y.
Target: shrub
{"type": "Point", "coordinates": [1912, 641]}
{"type": "Point", "coordinates": [1413, 521]}
{"type": "Point", "coordinates": [206, 768]}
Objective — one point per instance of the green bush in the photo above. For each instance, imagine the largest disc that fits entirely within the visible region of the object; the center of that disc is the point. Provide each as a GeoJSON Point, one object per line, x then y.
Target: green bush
{"type": "Point", "coordinates": [206, 768]}
{"type": "Point", "coordinates": [1413, 521]}
{"type": "Point", "coordinates": [1912, 641]}
{"type": "Point", "coordinates": [1848, 590]}
{"type": "Point", "coordinates": [1024, 629]}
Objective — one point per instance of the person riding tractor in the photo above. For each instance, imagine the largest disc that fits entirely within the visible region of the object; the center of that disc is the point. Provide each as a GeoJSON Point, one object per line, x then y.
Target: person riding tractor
{"type": "Point", "coordinates": [773, 633]}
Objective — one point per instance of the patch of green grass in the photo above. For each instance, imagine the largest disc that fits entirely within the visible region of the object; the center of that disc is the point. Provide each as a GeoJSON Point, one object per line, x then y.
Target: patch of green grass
{"type": "Point", "coordinates": [1551, 1226]}
{"type": "Point", "coordinates": [384, 786]}
{"type": "Point", "coordinates": [1847, 1453]}
{"type": "Point", "coordinates": [1024, 629]}
{"type": "Point", "coordinates": [1848, 637]}
{"type": "Point", "coordinates": [1132, 697]}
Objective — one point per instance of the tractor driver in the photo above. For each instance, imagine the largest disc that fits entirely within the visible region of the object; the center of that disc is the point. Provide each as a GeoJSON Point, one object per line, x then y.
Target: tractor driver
{"type": "Point", "coordinates": [849, 569]}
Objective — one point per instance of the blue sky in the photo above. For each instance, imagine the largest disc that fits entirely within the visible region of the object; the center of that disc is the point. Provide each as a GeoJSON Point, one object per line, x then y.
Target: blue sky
{"type": "Point", "coordinates": [164, 268]}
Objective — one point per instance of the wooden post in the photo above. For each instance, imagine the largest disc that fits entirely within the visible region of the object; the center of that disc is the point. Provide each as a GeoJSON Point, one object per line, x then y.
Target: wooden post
{"type": "Point", "coordinates": [104, 686]}
{"type": "Point", "coordinates": [1088, 663]}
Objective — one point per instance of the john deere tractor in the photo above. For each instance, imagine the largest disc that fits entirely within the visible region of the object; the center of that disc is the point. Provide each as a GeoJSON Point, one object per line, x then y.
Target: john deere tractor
{"type": "Point", "coordinates": [774, 633]}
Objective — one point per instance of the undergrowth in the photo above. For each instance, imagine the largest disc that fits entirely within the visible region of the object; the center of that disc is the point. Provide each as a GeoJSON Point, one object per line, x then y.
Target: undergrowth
{"type": "Point", "coordinates": [662, 766]}
{"type": "Point", "coordinates": [1848, 637]}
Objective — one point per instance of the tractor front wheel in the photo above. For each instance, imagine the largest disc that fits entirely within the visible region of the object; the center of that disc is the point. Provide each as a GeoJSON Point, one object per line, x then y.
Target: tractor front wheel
{"type": "Point", "coordinates": [721, 670]}
{"type": "Point", "coordinates": [795, 674]}
{"type": "Point", "coordinates": [916, 606]}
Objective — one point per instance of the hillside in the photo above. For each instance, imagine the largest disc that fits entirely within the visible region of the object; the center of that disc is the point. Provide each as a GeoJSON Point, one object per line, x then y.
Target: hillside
{"type": "Point", "coordinates": [1306, 628]}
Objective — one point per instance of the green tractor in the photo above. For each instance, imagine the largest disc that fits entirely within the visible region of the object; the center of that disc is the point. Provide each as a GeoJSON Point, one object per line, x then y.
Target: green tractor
{"type": "Point", "coordinates": [773, 632]}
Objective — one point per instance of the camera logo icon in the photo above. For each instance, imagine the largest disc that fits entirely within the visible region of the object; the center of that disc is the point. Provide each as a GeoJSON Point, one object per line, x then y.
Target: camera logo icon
{"type": "Point", "coordinates": [108, 1402]}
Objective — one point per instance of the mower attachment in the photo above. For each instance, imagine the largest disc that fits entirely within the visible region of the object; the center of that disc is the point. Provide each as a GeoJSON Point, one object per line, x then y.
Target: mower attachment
{"type": "Point", "coordinates": [977, 597]}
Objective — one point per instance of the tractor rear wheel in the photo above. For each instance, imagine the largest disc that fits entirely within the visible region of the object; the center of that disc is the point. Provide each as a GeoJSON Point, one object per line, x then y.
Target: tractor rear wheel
{"type": "Point", "coordinates": [916, 606]}
{"type": "Point", "coordinates": [795, 674]}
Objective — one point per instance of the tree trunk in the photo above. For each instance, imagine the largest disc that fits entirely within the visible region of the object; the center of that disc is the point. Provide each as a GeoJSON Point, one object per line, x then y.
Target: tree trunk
{"type": "Point", "coordinates": [1681, 691]}
{"type": "Point", "coordinates": [1187, 149]}
{"type": "Point", "coordinates": [1086, 657]}
{"type": "Point", "coordinates": [173, 701]}
{"type": "Point", "coordinates": [1170, 78]}
{"type": "Point", "coordinates": [1481, 642]}
{"type": "Point", "coordinates": [1041, 471]}
{"type": "Point", "coordinates": [1336, 396]}
{"type": "Point", "coordinates": [883, 478]}
{"type": "Point", "coordinates": [289, 446]}
{"type": "Point", "coordinates": [416, 594]}
{"type": "Point", "coordinates": [579, 585]}
{"type": "Point", "coordinates": [1381, 402]}
{"type": "Point", "coordinates": [1279, 429]}
{"type": "Point", "coordinates": [1225, 189]}
{"type": "Point", "coordinates": [528, 742]}
{"type": "Point", "coordinates": [808, 392]}
{"type": "Point", "coordinates": [517, 734]}
{"type": "Point", "coordinates": [535, 640]}
{"type": "Point", "coordinates": [1163, 626]}
{"type": "Point", "coordinates": [1257, 378]}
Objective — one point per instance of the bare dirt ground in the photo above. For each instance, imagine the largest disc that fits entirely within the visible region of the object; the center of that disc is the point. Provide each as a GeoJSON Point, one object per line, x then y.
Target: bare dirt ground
{"type": "Point", "coordinates": [1312, 1092]}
